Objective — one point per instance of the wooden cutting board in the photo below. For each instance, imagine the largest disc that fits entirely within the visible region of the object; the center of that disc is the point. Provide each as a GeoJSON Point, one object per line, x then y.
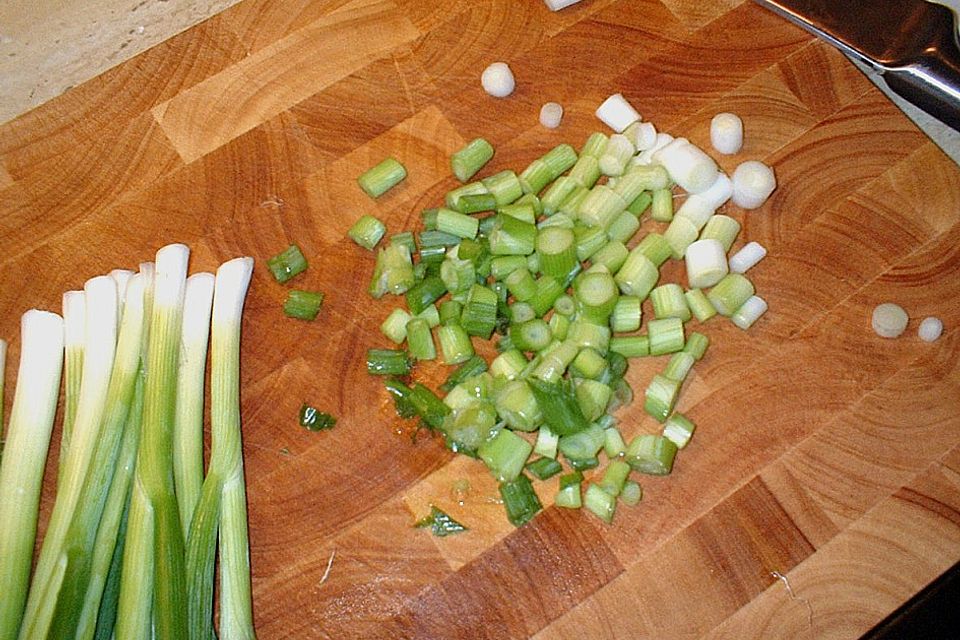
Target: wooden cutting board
{"type": "Point", "coordinates": [822, 488]}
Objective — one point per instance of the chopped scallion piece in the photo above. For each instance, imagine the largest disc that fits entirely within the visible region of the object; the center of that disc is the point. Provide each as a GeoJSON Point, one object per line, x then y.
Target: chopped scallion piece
{"type": "Point", "coordinates": [504, 186]}
{"type": "Point", "coordinates": [425, 293]}
{"type": "Point", "coordinates": [467, 161]}
{"type": "Point", "coordinates": [558, 403]}
{"type": "Point", "coordinates": [630, 346]}
{"type": "Point", "coordinates": [600, 503]}
{"type": "Point", "coordinates": [679, 366]}
{"type": "Point", "coordinates": [287, 264]}
{"type": "Point", "coordinates": [382, 177]}
{"type": "Point", "coordinates": [546, 444]}
{"type": "Point", "coordinates": [627, 314]}
{"type": "Point", "coordinates": [440, 524]}
{"type": "Point", "coordinates": [303, 305]}
{"type": "Point", "coordinates": [455, 343]}
{"type": "Point", "coordinates": [730, 293]}
{"type": "Point", "coordinates": [505, 454]}
{"type": "Point", "coordinates": [669, 302]}
{"type": "Point", "coordinates": [661, 208]}
{"type": "Point", "coordinates": [700, 305]}
{"type": "Point", "coordinates": [367, 231]}
{"type": "Point", "coordinates": [632, 493]}
{"type": "Point", "coordinates": [469, 368]}
{"type": "Point", "coordinates": [637, 276]}
{"type": "Point", "coordinates": [614, 477]}
{"type": "Point", "coordinates": [613, 444]}
{"type": "Point", "coordinates": [583, 464]}
{"type": "Point", "coordinates": [666, 335]}
{"type": "Point", "coordinates": [428, 406]}
{"type": "Point", "coordinates": [420, 340]}
{"type": "Point", "coordinates": [315, 420]}
{"type": "Point", "coordinates": [401, 397]}
{"type": "Point", "coordinates": [651, 454]}
{"type": "Point", "coordinates": [678, 429]}
{"type": "Point", "coordinates": [388, 362]}
{"type": "Point", "coordinates": [696, 345]}
{"type": "Point", "coordinates": [544, 468]}
{"type": "Point", "coordinates": [661, 396]}
{"type": "Point", "coordinates": [393, 272]}
{"type": "Point", "coordinates": [520, 500]}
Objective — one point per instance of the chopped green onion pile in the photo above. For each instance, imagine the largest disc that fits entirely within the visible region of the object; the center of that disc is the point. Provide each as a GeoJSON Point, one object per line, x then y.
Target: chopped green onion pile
{"type": "Point", "coordinates": [137, 524]}
{"type": "Point", "coordinates": [551, 264]}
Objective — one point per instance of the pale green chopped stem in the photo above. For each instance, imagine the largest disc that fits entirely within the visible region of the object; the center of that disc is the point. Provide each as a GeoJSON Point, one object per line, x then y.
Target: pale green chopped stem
{"type": "Point", "coordinates": [596, 295]}
{"type": "Point", "coordinates": [630, 346]}
{"type": "Point", "coordinates": [571, 206]}
{"type": "Point", "coordinates": [455, 344]}
{"type": "Point", "coordinates": [466, 162]}
{"type": "Point", "coordinates": [600, 206]}
{"type": "Point", "coordinates": [632, 493]}
{"type": "Point", "coordinates": [420, 340]}
{"type": "Point", "coordinates": [504, 186]}
{"type": "Point", "coordinates": [651, 454]}
{"type": "Point", "coordinates": [456, 223]}
{"type": "Point", "coordinates": [74, 319]}
{"type": "Point", "coordinates": [696, 345]}
{"type": "Point", "coordinates": [188, 427]}
{"type": "Point", "coordinates": [661, 209]}
{"type": "Point", "coordinates": [24, 457]}
{"type": "Point", "coordinates": [394, 327]}
{"type": "Point", "coordinates": [589, 241]}
{"type": "Point", "coordinates": [627, 314]}
{"type": "Point", "coordinates": [382, 177]}
{"type": "Point", "coordinates": [612, 255]}
{"type": "Point", "coordinates": [722, 228]}
{"type": "Point", "coordinates": [588, 364]}
{"type": "Point", "coordinates": [585, 172]}
{"type": "Point", "coordinates": [593, 397]}
{"type": "Point", "coordinates": [552, 364]}
{"type": "Point", "coordinates": [623, 227]}
{"type": "Point", "coordinates": [679, 235]}
{"type": "Point", "coordinates": [614, 477]}
{"type": "Point", "coordinates": [613, 444]}
{"type": "Point", "coordinates": [669, 302]}
{"type": "Point", "coordinates": [730, 293]}
{"type": "Point", "coordinates": [678, 429]}
{"type": "Point", "coordinates": [637, 276]}
{"type": "Point", "coordinates": [600, 503]}
{"type": "Point", "coordinates": [595, 144]}
{"type": "Point", "coordinates": [367, 231]}
{"type": "Point", "coordinates": [583, 333]}
{"type": "Point", "coordinates": [700, 306]}
{"type": "Point", "coordinates": [520, 284]}
{"type": "Point", "coordinates": [546, 444]}
{"type": "Point", "coordinates": [655, 247]}
{"type": "Point", "coordinates": [517, 406]}
{"type": "Point", "coordinates": [100, 346]}
{"type": "Point", "coordinates": [661, 396]}
{"type": "Point", "coordinates": [679, 366]}
{"type": "Point", "coordinates": [666, 335]}
{"type": "Point", "coordinates": [508, 364]}
{"type": "Point", "coordinates": [557, 250]}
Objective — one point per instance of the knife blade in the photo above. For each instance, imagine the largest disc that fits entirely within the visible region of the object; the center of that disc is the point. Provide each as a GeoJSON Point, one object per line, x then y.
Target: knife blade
{"type": "Point", "coordinates": [911, 43]}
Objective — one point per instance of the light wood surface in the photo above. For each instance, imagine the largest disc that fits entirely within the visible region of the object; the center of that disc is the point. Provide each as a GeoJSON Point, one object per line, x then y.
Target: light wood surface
{"type": "Point", "coordinates": [822, 488]}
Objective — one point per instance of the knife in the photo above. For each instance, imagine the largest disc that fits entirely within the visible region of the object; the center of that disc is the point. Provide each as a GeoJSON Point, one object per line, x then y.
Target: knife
{"type": "Point", "coordinates": [911, 43]}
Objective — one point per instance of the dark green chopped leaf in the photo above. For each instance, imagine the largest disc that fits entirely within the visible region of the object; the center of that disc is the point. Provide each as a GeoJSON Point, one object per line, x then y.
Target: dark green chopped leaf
{"type": "Point", "coordinates": [440, 524]}
{"type": "Point", "coordinates": [315, 420]}
{"type": "Point", "coordinates": [544, 468]}
{"type": "Point", "coordinates": [520, 500]}
{"type": "Point", "coordinates": [401, 398]}
{"type": "Point", "coordinates": [558, 402]}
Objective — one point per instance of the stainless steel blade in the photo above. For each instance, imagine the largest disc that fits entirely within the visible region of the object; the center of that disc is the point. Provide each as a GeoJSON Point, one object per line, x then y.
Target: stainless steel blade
{"type": "Point", "coordinates": [913, 43]}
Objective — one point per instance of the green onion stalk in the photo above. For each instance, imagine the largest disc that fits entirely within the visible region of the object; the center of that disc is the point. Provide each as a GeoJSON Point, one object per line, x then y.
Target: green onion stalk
{"type": "Point", "coordinates": [223, 506]}
{"type": "Point", "coordinates": [99, 350]}
{"type": "Point", "coordinates": [79, 545]}
{"type": "Point", "coordinates": [24, 457]}
{"type": "Point", "coordinates": [153, 583]}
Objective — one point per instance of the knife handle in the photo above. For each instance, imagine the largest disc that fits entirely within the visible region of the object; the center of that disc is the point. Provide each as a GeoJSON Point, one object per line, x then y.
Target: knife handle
{"type": "Point", "coordinates": [931, 82]}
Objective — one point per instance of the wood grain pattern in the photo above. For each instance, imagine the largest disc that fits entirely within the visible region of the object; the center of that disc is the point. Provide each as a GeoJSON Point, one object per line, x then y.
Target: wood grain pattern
{"type": "Point", "coordinates": [823, 486]}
